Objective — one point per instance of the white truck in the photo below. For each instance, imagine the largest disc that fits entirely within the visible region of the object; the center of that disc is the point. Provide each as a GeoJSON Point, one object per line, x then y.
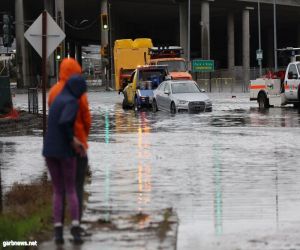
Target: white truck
{"type": "Point", "coordinates": [278, 89]}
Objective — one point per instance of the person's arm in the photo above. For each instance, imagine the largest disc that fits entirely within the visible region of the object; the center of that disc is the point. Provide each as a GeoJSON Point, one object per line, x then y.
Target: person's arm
{"type": "Point", "coordinates": [66, 122]}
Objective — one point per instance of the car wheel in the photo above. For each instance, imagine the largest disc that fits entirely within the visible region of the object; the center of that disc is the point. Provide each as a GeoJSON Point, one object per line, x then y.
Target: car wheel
{"type": "Point", "coordinates": [263, 101]}
{"type": "Point", "coordinates": [173, 108]}
{"type": "Point", "coordinates": [154, 106]}
{"type": "Point", "coordinates": [135, 104]}
{"type": "Point", "coordinates": [125, 103]}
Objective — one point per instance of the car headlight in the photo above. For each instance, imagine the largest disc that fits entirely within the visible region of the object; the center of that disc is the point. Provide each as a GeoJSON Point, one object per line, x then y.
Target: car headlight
{"type": "Point", "coordinates": [208, 102]}
{"type": "Point", "coordinates": [182, 102]}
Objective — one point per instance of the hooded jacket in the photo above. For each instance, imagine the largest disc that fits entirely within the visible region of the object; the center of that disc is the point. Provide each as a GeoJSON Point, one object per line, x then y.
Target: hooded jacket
{"type": "Point", "coordinates": [69, 67]}
{"type": "Point", "coordinates": [61, 119]}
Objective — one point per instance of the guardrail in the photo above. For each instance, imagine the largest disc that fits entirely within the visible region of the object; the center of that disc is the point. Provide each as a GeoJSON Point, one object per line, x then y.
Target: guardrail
{"type": "Point", "coordinates": [218, 84]}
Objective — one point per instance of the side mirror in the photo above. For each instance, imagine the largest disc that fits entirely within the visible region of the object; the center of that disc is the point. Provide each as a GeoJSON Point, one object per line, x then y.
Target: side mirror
{"type": "Point", "coordinates": [202, 90]}
{"type": "Point", "coordinates": [167, 92]}
{"type": "Point", "coordinates": [168, 77]}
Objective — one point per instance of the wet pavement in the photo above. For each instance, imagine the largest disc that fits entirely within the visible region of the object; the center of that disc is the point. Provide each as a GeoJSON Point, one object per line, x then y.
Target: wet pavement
{"type": "Point", "coordinates": [231, 176]}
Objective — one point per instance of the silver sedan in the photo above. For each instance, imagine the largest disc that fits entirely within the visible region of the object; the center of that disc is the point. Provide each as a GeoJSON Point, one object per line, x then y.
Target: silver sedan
{"type": "Point", "coordinates": [180, 95]}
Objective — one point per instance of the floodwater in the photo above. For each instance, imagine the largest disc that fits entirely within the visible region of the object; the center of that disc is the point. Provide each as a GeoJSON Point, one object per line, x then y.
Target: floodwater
{"type": "Point", "coordinates": [231, 175]}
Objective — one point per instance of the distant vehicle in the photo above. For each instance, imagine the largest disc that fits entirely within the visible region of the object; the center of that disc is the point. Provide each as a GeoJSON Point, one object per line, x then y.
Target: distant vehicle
{"type": "Point", "coordinates": [279, 88]}
{"type": "Point", "coordinates": [128, 54]}
{"type": "Point", "coordinates": [180, 95]}
{"type": "Point", "coordinates": [139, 92]}
{"type": "Point", "coordinates": [170, 56]}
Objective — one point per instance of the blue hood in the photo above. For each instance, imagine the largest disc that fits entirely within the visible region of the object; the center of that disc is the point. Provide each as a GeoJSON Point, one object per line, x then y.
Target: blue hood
{"type": "Point", "coordinates": [76, 85]}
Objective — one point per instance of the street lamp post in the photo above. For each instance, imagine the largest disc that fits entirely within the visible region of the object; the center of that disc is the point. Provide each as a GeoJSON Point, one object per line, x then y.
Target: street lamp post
{"type": "Point", "coordinates": [259, 38]}
{"type": "Point", "coordinates": [189, 33]}
{"type": "Point", "coordinates": [275, 36]}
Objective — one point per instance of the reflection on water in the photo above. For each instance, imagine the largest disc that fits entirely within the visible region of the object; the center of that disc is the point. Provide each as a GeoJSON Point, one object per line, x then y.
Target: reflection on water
{"type": "Point", "coordinates": [107, 170]}
{"type": "Point", "coordinates": [144, 168]}
{"type": "Point", "coordinates": [230, 171]}
{"type": "Point", "coordinates": [218, 188]}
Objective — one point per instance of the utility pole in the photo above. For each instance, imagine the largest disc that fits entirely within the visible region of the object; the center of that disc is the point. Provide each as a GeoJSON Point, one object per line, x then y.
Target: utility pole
{"type": "Point", "coordinates": [275, 37]}
{"type": "Point", "coordinates": [259, 38]}
{"type": "Point", "coordinates": [189, 33]}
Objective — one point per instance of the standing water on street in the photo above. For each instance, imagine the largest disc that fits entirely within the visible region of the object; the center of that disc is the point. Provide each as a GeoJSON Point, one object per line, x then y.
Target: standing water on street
{"type": "Point", "coordinates": [232, 175]}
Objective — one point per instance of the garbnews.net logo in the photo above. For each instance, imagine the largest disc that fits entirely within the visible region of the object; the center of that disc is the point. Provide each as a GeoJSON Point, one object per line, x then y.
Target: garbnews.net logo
{"type": "Point", "coordinates": [12, 243]}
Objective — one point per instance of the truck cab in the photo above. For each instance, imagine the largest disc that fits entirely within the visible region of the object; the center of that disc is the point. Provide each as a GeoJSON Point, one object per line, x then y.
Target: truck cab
{"type": "Point", "coordinates": [291, 82]}
{"type": "Point", "coordinates": [274, 90]}
{"type": "Point", "coordinates": [139, 92]}
{"type": "Point", "coordinates": [170, 57]}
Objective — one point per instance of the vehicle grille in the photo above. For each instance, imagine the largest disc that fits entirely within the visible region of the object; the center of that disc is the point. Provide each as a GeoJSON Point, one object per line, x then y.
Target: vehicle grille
{"type": "Point", "coordinates": [196, 106]}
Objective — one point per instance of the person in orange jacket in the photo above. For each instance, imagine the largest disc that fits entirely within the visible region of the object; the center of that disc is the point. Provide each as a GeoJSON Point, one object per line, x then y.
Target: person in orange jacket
{"type": "Point", "coordinates": [68, 68]}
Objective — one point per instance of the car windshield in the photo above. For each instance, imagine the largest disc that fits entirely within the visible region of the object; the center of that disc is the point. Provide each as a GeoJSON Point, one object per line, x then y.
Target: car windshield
{"type": "Point", "coordinates": [150, 79]}
{"type": "Point", "coordinates": [184, 87]}
{"type": "Point", "coordinates": [174, 66]}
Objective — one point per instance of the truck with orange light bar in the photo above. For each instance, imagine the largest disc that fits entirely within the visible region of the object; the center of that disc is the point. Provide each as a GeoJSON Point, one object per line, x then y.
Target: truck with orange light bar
{"type": "Point", "coordinates": [279, 88]}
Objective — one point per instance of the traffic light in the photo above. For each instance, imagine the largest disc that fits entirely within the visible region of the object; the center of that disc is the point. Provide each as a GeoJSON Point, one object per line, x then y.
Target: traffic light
{"type": "Point", "coordinates": [58, 53]}
{"type": "Point", "coordinates": [8, 30]}
{"type": "Point", "coordinates": [104, 21]}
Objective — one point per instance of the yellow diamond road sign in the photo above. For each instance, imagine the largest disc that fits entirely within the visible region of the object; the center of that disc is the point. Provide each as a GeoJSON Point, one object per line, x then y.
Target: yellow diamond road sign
{"type": "Point", "coordinates": [55, 35]}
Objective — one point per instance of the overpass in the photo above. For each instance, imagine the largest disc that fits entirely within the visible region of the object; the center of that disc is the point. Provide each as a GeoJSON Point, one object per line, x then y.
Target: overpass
{"type": "Point", "coordinates": [223, 30]}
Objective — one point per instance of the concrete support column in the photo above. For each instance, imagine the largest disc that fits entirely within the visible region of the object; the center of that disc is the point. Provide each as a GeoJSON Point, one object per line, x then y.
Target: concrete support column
{"type": "Point", "coordinates": [230, 42]}
{"type": "Point", "coordinates": [183, 19]}
{"type": "Point", "coordinates": [246, 47]}
{"type": "Point", "coordinates": [21, 48]}
{"type": "Point", "coordinates": [205, 30]}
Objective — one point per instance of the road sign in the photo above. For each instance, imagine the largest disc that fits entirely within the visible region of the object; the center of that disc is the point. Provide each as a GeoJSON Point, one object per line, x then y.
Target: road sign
{"type": "Point", "coordinates": [259, 54]}
{"type": "Point", "coordinates": [55, 35]}
{"type": "Point", "coordinates": [203, 65]}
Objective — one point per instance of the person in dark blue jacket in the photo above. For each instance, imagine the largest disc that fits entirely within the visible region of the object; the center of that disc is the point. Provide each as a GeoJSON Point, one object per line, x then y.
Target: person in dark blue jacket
{"type": "Point", "coordinates": [59, 150]}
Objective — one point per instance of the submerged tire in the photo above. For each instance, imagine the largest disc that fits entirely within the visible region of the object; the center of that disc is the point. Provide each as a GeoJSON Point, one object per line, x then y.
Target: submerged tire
{"type": "Point", "coordinates": [263, 101]}
{"type": "Point", "coordinates": [154, 106]}
{"type": "Point", "coordinates": [173, 108]}
{"type": "Point", "coordinates": [135, 104]}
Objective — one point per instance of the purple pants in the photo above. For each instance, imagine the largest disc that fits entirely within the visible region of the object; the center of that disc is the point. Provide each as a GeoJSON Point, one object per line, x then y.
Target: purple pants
{"type": "Point", "coordinates": [63, 174]}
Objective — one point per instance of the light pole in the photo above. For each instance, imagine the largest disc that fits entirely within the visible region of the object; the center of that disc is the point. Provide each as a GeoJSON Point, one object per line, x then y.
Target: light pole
{"type": "Point", "coordinates": [275, 36]}
{"type": "Point", "coordinates": [189, 33]}
{"type": "Point", "coordinates": [259, 38]}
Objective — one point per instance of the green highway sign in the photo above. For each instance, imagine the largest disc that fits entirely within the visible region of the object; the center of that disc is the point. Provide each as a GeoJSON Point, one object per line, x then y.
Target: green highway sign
{"type": "Point", "coordinates": [203, 65]}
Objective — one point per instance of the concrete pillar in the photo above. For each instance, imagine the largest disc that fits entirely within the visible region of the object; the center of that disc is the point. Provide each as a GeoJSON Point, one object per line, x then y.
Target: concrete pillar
{"type": "Point", "coordinates": [205, 30]}
{"type": "Point", "coordinates": [246, 47]}
{"type": "Point", "coordinates": [183, 19]}
{"type": "Point", "coordinates": [60, 17]}
{"type": "Point", "coordinates": [230, 42]}
{"type": "Point", "coordinates": [21, 48]}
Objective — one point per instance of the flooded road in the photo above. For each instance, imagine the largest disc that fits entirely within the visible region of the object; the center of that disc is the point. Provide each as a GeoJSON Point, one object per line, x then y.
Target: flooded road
{"type": "Point", "coordinates": [231, 175]}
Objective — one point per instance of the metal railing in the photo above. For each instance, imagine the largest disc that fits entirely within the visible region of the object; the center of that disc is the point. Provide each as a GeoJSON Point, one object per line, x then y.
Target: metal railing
{"type": "Point", "coordinates": [33, 104]}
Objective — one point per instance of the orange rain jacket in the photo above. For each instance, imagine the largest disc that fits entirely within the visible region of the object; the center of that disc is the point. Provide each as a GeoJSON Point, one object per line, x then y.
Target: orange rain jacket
{"type": "Point", "coordinates": [69, 67]}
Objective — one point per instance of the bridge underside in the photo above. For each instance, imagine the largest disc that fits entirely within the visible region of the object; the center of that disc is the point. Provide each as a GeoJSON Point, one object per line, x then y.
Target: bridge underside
{"type": "Point", "coordinates": [159, 20]}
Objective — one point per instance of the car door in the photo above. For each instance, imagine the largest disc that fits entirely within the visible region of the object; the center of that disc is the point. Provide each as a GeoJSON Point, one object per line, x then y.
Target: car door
{"type": "Point", "coordinates": [292, 81]}
{"type": "Point", "coordinates": [166, 101]}
{"type": "Point", "coordinates": [159, 94]}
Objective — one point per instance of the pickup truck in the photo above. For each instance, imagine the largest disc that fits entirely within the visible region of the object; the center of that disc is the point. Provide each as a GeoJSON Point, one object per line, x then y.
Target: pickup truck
{"type": "Point", "coordinates": [139, 92]}
{"type": "Point", "coordinates": [277, 89]}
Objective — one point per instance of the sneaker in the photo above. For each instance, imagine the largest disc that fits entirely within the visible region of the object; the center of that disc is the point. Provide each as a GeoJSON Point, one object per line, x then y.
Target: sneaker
{"type": "Point", "coordinates": [75, 231]}
{"type": "Point", "coordinates": [58, 235]}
